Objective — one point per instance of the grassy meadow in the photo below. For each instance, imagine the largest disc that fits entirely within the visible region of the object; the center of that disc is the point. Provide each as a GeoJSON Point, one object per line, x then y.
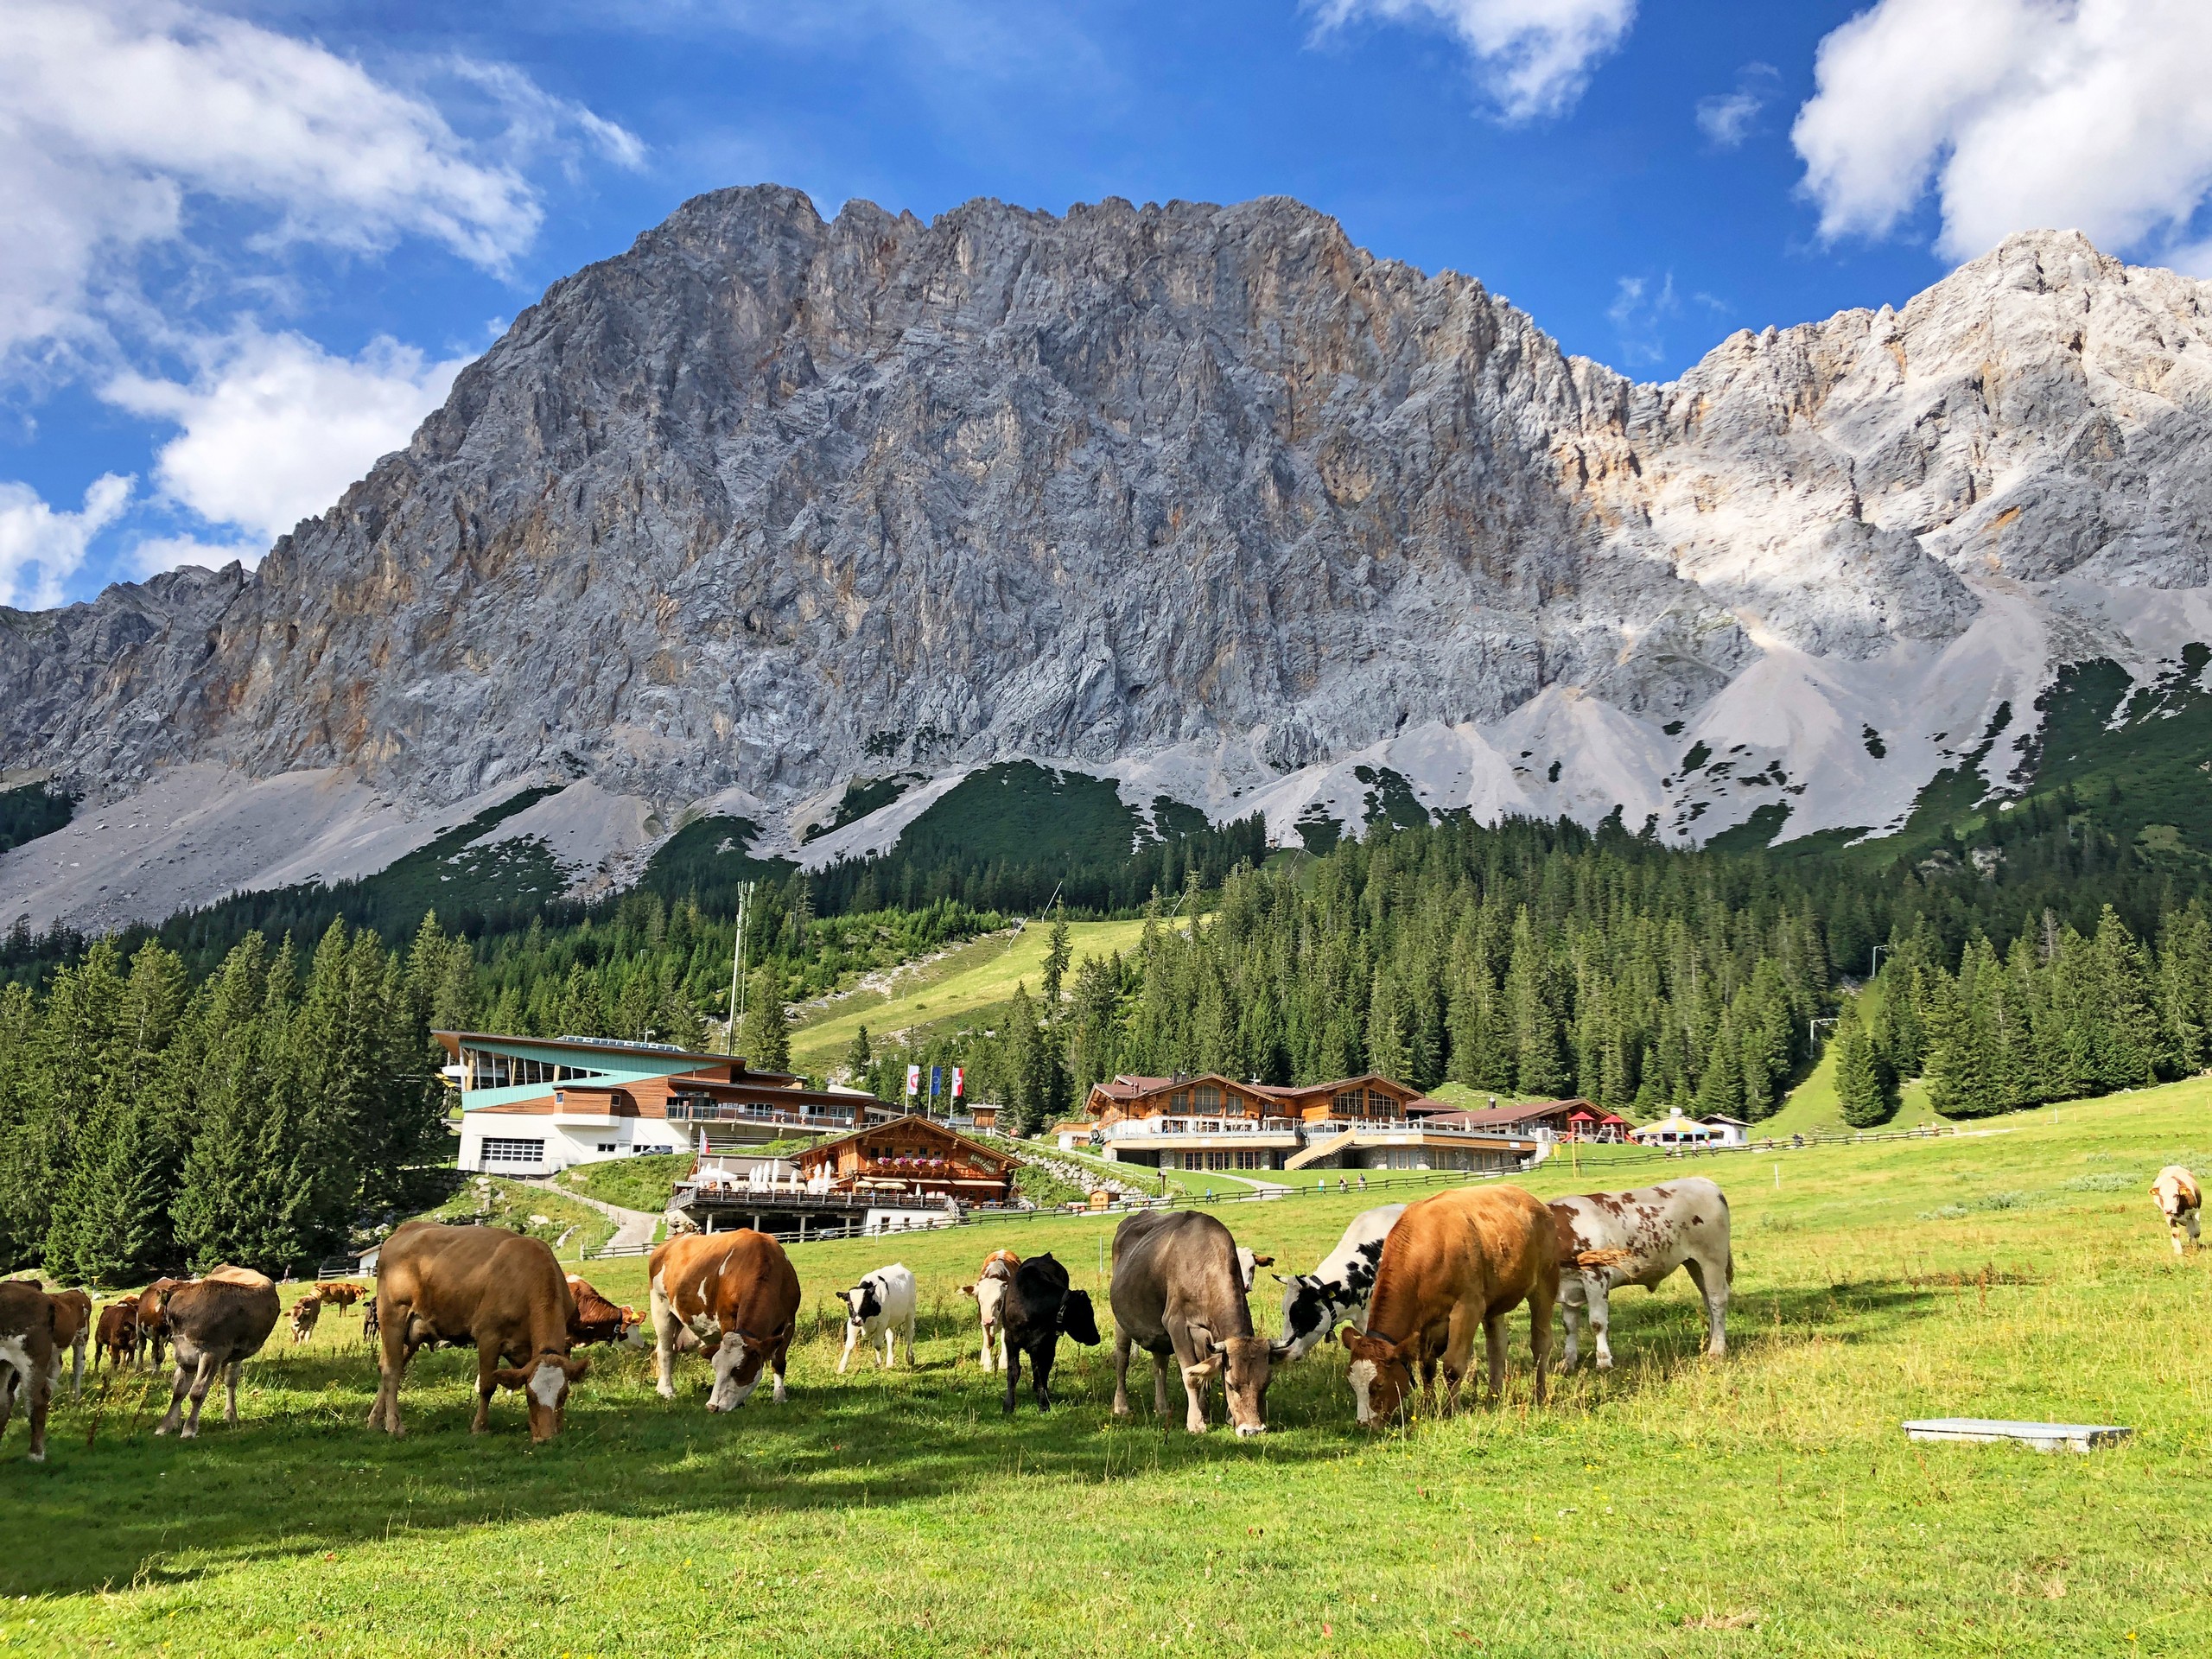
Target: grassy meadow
{"type": "Point", "coordinates": [1764, 1503]}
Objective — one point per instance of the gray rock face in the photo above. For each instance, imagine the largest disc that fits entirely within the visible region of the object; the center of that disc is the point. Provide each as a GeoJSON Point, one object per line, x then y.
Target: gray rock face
{"type": "Point", "coordinates": [767, 502]}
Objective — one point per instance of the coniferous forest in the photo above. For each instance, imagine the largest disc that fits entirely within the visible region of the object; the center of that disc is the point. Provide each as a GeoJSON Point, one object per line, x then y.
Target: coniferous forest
{"type": "Point", "coordinates": [155, 1113]}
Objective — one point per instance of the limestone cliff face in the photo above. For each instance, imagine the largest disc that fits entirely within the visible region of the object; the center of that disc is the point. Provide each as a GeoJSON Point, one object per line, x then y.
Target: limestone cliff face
{"type": "Point", "coordinates": [767, 502]}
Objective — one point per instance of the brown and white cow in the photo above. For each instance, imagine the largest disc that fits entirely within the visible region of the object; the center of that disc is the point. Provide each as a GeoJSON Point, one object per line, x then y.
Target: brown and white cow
{"type": "Point", "coordinates": [1610, 1239]}
{"type": "Point", "coordinates": [1452, 1264]}
{"type": "Point", "coordinates": [596, 1319]}
{"type": "Point", "coordinates": [988, 1292]}
{"type": "Point", "coordinates": [305, 1313]}
{"type": "Point", "coordinates": [738, 1294]}
{"type": "Point", "coordinates": [500, 1293]}
{"type": "Point", "coordinates": [29, 1360]}
{"type": "Point", "coordinates": [2179, 1201]}
{"type": "Point", "coordinates": [117, 1338]}
{"type": "Point", "coordinates": [215, 1323]}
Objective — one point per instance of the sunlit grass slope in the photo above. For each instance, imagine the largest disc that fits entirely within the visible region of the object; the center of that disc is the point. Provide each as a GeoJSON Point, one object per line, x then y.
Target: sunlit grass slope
{"type": "Point", "coordinates": [1764, 1503]}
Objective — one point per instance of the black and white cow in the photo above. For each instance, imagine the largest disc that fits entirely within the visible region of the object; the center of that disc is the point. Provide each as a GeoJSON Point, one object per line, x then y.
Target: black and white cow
{"type": "Point", "coordinates": [1314, 1304]}
{"type": "Point", "coordinates": [1610, 1239]}
{"type": "Point", "coordinates": [882, 1304]}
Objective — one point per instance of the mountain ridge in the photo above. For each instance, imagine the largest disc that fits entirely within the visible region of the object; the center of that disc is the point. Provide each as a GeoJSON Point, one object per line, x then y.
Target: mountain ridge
{"type": "Point", "coordinates": [1206, 499]}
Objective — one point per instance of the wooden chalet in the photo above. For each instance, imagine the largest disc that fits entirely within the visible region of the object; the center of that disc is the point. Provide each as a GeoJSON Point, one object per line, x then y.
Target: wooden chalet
{"type": "Point", "coordinates": [908, 1159]}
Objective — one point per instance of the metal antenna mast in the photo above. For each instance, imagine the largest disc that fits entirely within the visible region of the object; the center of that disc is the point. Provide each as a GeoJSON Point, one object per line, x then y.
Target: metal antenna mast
{"type": "Point", "coordinates": [737, 970]}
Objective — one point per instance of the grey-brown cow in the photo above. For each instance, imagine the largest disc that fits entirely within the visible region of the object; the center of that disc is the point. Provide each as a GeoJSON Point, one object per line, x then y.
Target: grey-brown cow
{"type": "Point", "coordinates": [216, 1323]}
{"type": "Point", "coordinates": [1178, 1289]}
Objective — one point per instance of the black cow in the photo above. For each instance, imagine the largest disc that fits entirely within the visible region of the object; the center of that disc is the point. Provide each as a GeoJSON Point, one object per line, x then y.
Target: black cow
{"type": "Point", "coordinates": [1040, 1306]}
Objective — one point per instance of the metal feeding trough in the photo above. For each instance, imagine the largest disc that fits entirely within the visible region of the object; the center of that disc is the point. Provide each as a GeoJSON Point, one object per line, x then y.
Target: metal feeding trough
{"type": "Point", "coordinates": [2044, 1437]}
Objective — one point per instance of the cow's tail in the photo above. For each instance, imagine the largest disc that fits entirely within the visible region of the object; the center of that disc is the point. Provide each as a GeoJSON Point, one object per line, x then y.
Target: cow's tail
{"type": "Point", "coordinates": [1731, 1264]}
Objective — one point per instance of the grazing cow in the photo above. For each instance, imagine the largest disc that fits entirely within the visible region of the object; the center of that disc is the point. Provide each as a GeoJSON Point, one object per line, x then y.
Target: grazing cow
{"type": "Point", "coordinates": [596, 1319]}
{"type": "Point", "coordinates": [882, 1304]}
{"type": "Point", "coordinates": [717, 1287]}
{"type": "Point", "coordinates": [368, 1320]}
{"type": "Point", "coordinates": [1178, 1289]}
{"type": "Point", "coordinates": [989, 1294]}
{"type": "Point", "coordinates": [340, 1296]}
{"type": "Point", "coordinates": [2179, 1199]}
{"type": "Point", "coordinates": [500, 1293]}
{"type": "Point", "coordinates": [153, 1323]}
{"type": "Point", "coordinates": [1314, 1304]}
{"type": "Point", "coordinates": [1249, 1266]}
{"type": "Point", "coordinates": [118, 1335]}
{"type": "Point", "coordinates": [72, 1328]}
{"type": "Point", "coordinates": [30, 1361]}
{"type": "Point", "coordinates": [305, 1313]}
{"type": "Point", "coordinates": [1461, 1259]}
{"type": "Point", "coordinates": [1610, 1239]}
{"type": "Point", "coordinates": [216, 1323]}
{"type": "Point", "coordinates": [1040, 1309]}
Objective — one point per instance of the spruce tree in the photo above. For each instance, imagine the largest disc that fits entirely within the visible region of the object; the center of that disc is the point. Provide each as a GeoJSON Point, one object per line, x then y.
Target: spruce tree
{"type": "Point", "coordinates": [859, 1057]}
{"type": "Point", "coordinates": [1862, 1085]}
{"type": "Point", "coordinates": [763, 1036]}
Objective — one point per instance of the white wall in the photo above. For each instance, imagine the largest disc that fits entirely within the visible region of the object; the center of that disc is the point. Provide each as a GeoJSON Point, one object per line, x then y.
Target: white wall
{"type": "Point", "coordinates": [566, 1144]}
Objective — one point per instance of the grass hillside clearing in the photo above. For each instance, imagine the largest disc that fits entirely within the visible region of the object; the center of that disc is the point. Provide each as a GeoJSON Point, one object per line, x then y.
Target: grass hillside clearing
{"type": "Point", "coordinates": [1762, 1503]}
{"type": "Point", "coordinates": [646, 1182]}
{"type": "Point", "coordinates": [959, 989]}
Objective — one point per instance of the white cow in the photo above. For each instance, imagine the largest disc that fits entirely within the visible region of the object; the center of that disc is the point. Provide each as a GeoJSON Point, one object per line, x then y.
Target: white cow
{"type": "Point", "coordinates": [2179, 1199]}
{"type": "Point", "coordinates": [989, 1291]}
{"type": "Point", "coordinates": [1314, 1304]}
{"type": "Point", "coordinates": [1249, 1266]}
{"type": "Point", "coordinates": [882, 1304]}
{"type": "Point", "coordinates": [1610, 1239]}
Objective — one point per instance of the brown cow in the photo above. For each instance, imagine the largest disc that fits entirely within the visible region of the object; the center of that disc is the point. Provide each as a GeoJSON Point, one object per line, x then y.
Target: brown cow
{"type": "Point", "coordinates": [216, 1323]}
{"type": "Point", "coordinates": [597, 1319]}
{"type": "Point", "coordinates": [1460, 1260]}
{"type": "Point", "coordinates": [305, 1313]}
{"type": "Point", "coordinates": [118, 1335]}
{"type": "Point", "coordinates": [501, 1292]}
{"type": "Point", "coordinates": [72, 1328]}
{"type": "Point", "coordinates": [2179, 1201]}
{"type": "Point", "coordinates": [338, 1295]}
{"type": "Point", "coordinates": [30, 1359]}
{"type": "Point", "coordinates": [717, 1285]}
{"type": "Point", "coordinates": [153, 1323]}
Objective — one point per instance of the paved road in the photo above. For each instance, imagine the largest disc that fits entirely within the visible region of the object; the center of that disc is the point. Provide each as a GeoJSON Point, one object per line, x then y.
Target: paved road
{"type": "Point", "coordinates": [632, 1227]}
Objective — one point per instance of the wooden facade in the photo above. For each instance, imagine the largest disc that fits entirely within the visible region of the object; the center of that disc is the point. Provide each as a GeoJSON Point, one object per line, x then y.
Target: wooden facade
{"type": "Point", "coordinates": [910, 1158]}
{"type": "Point", "coordinates": [1368, 1098]}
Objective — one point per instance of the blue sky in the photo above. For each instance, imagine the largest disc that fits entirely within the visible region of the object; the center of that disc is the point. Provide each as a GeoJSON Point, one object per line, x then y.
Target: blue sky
{"type": "Point", "coordinates": [253, 243]}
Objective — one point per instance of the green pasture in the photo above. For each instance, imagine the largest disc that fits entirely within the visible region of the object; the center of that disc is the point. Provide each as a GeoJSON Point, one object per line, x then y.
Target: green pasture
{"type": "Point", "coordinates": [959, 989]}
{"type": "Point", "coordinates": [1764, 1504]}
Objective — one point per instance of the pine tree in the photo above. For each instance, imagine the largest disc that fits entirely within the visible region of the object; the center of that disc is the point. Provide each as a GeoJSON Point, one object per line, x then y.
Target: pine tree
{"type": "Point", "coordinates": [763, 1036]}
{"type": "Point", "coordinates": [1386, 1050]}
{"type": "Point", "coordinates": [1862, 1085]}
{"type": "Point", "coordinates": [858, 1058]}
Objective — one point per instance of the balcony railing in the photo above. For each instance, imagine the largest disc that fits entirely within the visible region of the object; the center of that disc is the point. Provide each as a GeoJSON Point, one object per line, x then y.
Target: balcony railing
{"type": "Point", "coordinates": [1326, 1127]}
{"type": "Point", "coordinates": [1137, 1128]}
{"type": "Point", "coordinates": [694, 1110]}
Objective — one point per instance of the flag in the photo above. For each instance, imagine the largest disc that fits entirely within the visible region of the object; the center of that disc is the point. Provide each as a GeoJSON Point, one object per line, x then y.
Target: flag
{"type": "Point", "coordinates": [959, 1077]}
{"type": "Point", "coordinates": [914, 1080]}
{"type": "Point", "coordinates": [936, 1078]}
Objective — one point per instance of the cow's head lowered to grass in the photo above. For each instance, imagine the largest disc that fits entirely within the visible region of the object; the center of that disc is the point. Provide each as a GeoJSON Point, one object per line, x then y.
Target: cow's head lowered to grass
{"type": "Point", "coordinates": [545, 1382]}
{"type": "Point", "coordinates": [1248, 1365]}
{"type": "Point", "coordinates": [738, 1363]}
{"type": "Point", "coordinates": [1381, 1375]}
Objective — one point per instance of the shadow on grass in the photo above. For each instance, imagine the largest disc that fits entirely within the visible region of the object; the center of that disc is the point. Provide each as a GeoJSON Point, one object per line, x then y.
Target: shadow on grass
{"type": "Point", "coordinates": [302, 1474]}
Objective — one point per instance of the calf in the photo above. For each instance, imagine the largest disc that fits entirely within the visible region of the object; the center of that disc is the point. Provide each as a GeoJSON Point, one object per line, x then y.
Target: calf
{"type": "Point", "coordinates": [117, 1338]}
{"type": "Point", "coordinates": [338, 1295]}
{"type": "Point", "coordinates": [72, 1328]}
{"type": "Point", "coordinates": [1178, 1288]}
{"type": "Point", "coordinates": [1040, 1309]}
{"type": "Point", "coordinates": [1461, 1259]}
{"type": "Point", "coordinates": [1610, 1239]}
{"type": "Point", "coordinates": [720, 1286]}
{"type": "Point", "coordinates": [596, 1319]}
{"type": "Point", "coordinates": [2179, 1199]}
{"type": "Point", "coordinates": [30, 1361]}
{"type": "Point", "coordinates": [989, 1294]}
{"type": "Point", "coordinates": [216, 1323]}
{"type": "Point", "coordinates": [1314, 1304]}
{"type": "Point", "coordinates": [305, 1313]}
{"type": "Point", "coordinates": [500, 1293]}
{"type": "Point", "coordinates": [153, 1323]}
{"type": "Point", "coordinates": [882, 1304]}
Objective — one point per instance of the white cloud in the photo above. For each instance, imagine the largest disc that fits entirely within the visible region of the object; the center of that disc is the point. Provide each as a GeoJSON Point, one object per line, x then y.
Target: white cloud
{"type": "Point", "coordinates": [2090, 115]}
{"type": "Point", "coordinates": [274, 427]}
{"type": "Point", "coordinates": [1533, 57]}
{"type": "Point", "coordinates": [115, 115]}
{"type": "Point", "coordinates": [40, 549]}
{"type": "Point", "coordinates": [1727, 118]}
{"type": "Point", "coordinates": [155, 554]}
{"type": "Point", "coordinates": [1639, 315]}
